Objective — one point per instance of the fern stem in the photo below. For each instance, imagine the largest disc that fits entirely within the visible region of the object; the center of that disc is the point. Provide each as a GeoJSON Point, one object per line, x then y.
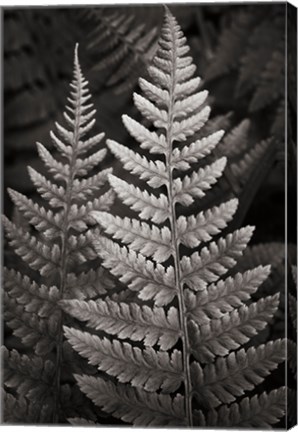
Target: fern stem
{"type": "Point", "coordinates": [64, 246]}
{"type": "Point", "coordinates": [175, 244]}
{"type": "Point", "coordinates": [182, 307]}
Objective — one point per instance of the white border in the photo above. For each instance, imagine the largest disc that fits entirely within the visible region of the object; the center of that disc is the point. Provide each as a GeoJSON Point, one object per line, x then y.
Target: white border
{"type": "Point", "coordinates": [107, 2]}
{"type": "Point", "coordinates": [51, 3]}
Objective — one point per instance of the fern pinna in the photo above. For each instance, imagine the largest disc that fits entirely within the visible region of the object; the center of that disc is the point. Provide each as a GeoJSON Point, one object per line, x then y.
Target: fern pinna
{"type": "Point", "coordinates": [55, 247]}
{"type": "Point", "coordinates": [176, 354]}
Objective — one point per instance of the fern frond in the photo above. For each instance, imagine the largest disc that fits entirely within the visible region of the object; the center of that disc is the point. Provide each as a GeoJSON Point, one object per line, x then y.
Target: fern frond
{"type": "Point", "coordinates": [60, 244]}
{"type": "Point", "coordinates": [183, 302]}
{"type": "Point", "coordinates": [258, 51]}
{"type": "Point", "coordinates": [271, 80]}
{"type": "Point", "coordinates": [245, 49]}
{"type": "Point", "coordinates": [148, 369]}
{"type": "Point", "coordinates": [124, 43]}
{"type": "Point", "coordinates": [139, 323]}
{"type": "Point", "coordinates": [256, 412]}
{"type": "Point", "coordinates": [243, 168]}
{"type": "Point", "coordinates": [134, 405]}
{"type": "Point", "coordinates": [232, 376]}
{"type": "Point", "coordinates": [235, 142]}
{"type": "Point", "coordinates": [261, 254]}
{"type": "Point", "coordinates": [222, 335]}
{"type": "Point", "coordinates": [231, 45]}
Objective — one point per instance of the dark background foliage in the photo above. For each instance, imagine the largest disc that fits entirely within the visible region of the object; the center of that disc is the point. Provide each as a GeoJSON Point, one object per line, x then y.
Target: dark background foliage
{"type": "Point", "coordinates": [239, 53]}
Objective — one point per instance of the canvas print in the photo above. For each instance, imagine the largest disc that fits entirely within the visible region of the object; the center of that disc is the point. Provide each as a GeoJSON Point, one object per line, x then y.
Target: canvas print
{"type": "Point", "coordinates": [149, 216]}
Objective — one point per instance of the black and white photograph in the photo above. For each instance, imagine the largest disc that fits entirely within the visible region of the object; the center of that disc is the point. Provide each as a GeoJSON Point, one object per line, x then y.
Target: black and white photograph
{"type": "Point", "coordinates": [149, 215]}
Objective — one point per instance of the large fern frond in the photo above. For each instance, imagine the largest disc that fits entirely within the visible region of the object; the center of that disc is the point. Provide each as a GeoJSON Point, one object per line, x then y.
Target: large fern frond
{"type": "Point", "coordinates": [177, 271]}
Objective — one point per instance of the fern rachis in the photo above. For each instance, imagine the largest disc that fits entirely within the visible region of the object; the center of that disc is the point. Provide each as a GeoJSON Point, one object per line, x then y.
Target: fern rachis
{"type": "Point", "coordinates": [176, 290]}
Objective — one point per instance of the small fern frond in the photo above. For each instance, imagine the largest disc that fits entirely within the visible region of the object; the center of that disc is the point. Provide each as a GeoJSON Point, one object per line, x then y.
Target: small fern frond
{"type": "Point", "coordinates": [54, 244]}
